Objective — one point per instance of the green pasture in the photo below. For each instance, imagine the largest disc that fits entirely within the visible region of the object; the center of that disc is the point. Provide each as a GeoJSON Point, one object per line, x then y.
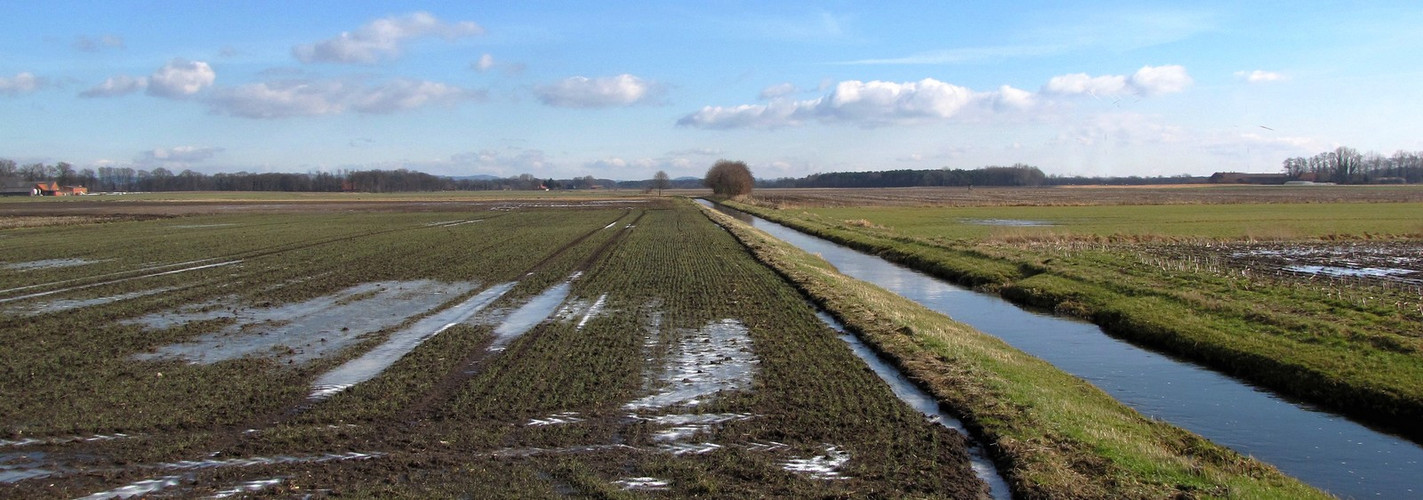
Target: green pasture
{"type": "Point", "coordinates": [1272, 221]}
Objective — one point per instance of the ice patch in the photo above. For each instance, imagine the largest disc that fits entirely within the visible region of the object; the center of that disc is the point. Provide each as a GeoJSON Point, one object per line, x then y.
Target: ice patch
{"type": "Point", "coordinates": [825, 466]}
{"type": "Point", "coordinates": [61, 305]}
{"type": "Point", "coordinates": [302, 331]}
{"type": "Point", "coordinates": [400, 343]}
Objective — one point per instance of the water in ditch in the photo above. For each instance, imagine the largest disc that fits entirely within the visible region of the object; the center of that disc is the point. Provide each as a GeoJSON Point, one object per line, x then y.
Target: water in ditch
{"type": "Point", "coordinates": [1323, 449]}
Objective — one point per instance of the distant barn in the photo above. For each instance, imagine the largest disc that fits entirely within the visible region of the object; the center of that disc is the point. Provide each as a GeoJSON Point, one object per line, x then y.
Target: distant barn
{"type": "Point", "coordinates": [1247, 178]}
{"type": "Point", "coordinates": [54, 189]}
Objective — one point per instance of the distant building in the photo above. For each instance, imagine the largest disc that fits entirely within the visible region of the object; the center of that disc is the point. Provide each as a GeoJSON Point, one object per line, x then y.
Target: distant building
{"type": "Point", "coordinates": [54, 189]}
{"type": "Point", "coordinates": [1247, 178]}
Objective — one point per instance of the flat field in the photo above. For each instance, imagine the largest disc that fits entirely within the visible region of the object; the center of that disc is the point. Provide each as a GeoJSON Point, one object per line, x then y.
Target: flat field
{"type": "Point", "coordinates": [1315, 291]}
{"type": "Point", "coordinates": [483, 348]}
{"type": "Point", "coordinates": [535, 346]}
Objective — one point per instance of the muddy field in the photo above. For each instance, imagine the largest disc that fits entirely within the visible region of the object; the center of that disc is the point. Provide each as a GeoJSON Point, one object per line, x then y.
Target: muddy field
{"type": "Point", "coordinates": [490, 349]}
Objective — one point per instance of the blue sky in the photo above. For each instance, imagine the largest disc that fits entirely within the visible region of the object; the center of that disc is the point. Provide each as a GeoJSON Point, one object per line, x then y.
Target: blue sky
{"type": "Point", "coordinates": [564, 89]}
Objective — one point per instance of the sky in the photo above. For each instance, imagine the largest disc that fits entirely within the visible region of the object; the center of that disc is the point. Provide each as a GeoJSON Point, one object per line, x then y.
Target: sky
{"type": "Point", "coordinates": [622, 90]}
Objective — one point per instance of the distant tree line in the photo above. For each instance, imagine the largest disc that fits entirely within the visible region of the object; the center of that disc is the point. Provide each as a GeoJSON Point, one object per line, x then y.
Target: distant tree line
{"type": "Point", "coordinates": [1345, 165]}
{"type": "Point", "coordinates": [1016, 175]}
{"type": "Point", "coordinates": [128, 179]}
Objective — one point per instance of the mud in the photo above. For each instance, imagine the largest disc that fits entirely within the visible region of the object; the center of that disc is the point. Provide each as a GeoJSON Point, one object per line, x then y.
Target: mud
{"type": "Point", "coordinates": [1369, 261]}
{"type": "Point", "coordinates": [303, 331]}
{"type": "Point", "coordinates": [400, 343]}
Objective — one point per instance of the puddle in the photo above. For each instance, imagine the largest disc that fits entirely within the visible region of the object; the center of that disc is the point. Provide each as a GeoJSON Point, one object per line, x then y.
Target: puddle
{"type": "Point", "coordinates": [924, 403]}
{"type": "Point", "coordinates": [452, 223]}
{"type": "Point", "coordinates": [825, 466]}
{"type": "Point", "coordinates": [400, 343]}
{"type": "Point", "coordinates": [567, 417]}
{"type": "Point", "coordinates": [688, 448]}
{"type": "Point", "coordinates": [16, 467]}
{"type": "Point", "coordinates": [1361, 272]}
{"type": "Point", "coordinates": [1007, 222]}
{"type": "Point", "coordinates": [61, 305]}
{"type": "Point", "coordinates": [137, 489]}
{"type": "Point", "coordinates": [535, 311]}
{"type": "Point", "coordinates": [47, 264]}
{"type": "Point", "coordinates": [581, 310]}
{"type": "Point", "coordinates": [148, 486]}
{"type": "Point", "coordinates": [200, 226]}
{"type": "Point", "coordinates": [102, 283]}
{"type": "Point", "coordinates": [302, 331]}
{"type": "Point", "coordinates": [642, 483]}
{"type": "Point", "coordinates": [61, 440]}
{"type": "Point", "coordinates": [248, 487]}
{"type": "Point", "coordinates": [715, 358]}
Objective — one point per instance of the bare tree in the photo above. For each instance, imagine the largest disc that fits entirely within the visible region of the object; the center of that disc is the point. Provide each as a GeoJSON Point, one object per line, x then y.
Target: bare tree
{"type": "Point", "coordinates": [729, 178]}
{"type": "Point", "coordinates": [660, 181]}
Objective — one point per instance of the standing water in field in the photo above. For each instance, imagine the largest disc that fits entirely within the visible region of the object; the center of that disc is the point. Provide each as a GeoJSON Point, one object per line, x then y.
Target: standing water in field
{"type": "Point", "coordinates": [1323, 449]}
{"type": "Point", "coordinates": [376, 360]}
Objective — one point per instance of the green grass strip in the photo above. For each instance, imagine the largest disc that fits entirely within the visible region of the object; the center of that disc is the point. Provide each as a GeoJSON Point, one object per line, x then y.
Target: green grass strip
{"type": "Point", "coordinates": [1053, 435]}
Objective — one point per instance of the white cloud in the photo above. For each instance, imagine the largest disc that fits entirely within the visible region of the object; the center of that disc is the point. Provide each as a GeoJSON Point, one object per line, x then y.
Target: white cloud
{"type": "Point", "coordinates": [777, 91]}
{"type": "Point", "coordinates": [116, 86]}
{"type": "Point", "coordinates": [1147, 81]}
{"type": "Point", "coordinates": [507, 162]}
{"type": "Point", "coordinates": [1260, 76]}
{"type": "Point", "coordinates": [863, 103]}
{"type": "Point", "coordinates": [95, 44]}
{"type": "Point", "coordinates": [1009, 98]}
{"type": "Point", "coordinates": [22, 83]}
{"type": "Point", "coordinates": [403, 94]}
{"type": "Point", "coordinates": [1156, 80]}
{"type": "Point", "coordinates": [291, 98]}
{"type": "Point", "coordinates": [484, 63]}
{"type": "Point", "coordinates": [1082, 83]}
{"type": "Point", "coordinates": [180, 155]}
{"type": "Point", "coordinates": [604, 92]}
{"type": "Point", "coordinates": [181, 78]}
{"type": "Point", "coordinates": [382, 39]}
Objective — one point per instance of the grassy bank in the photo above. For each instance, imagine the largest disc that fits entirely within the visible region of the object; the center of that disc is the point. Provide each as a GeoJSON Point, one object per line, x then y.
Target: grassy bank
{"type": "Point", "coordinates": [1353, 352]}
{"type": "Point", "coordinates": [1055, 436]}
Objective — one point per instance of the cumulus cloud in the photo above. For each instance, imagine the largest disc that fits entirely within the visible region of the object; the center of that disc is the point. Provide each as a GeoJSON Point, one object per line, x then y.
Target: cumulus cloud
{"type": "Point", "coordinates": [297, 97]}
{"type": "Point", "coordinates": [777, 91]}
{"type": "Point", "coordinates": [115, 86]}
{"type": "Point", "coordinates": [484, 63]}
{"type": "Point", "coordinates": [95, 44]}
{"type": "Point", "coordinates": [1260, 76]}
{"type": "Point", "coordinates": [22, 83]}
{"type": "Point", "coordinates": [382, 39]}
{"type": "Point", "coordinates": [603, 92]}
{"type": "Point", "coordinates": [865, 103]}
{"type": "Point", "coordinates": [1147, 81]}
{"type": "Point", "coordinates": [176, 155]}
{"type": "Point", "coordinates": [180, 78]}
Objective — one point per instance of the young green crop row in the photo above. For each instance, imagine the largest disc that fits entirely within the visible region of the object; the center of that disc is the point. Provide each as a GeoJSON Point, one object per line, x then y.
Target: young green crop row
{"type": "Point", "coordinates": [542, 416]}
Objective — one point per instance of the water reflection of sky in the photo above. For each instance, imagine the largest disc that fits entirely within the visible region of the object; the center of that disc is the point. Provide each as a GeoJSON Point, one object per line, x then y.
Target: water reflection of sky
{"type": "Point", "coordinates": [1322, 449]}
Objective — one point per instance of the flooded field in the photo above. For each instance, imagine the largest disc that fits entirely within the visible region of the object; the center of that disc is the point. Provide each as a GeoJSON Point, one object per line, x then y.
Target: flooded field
{"type": "Point", "coordinates": [1368, 261]}
{"type": "Point", "coordinates": [516, 349]}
